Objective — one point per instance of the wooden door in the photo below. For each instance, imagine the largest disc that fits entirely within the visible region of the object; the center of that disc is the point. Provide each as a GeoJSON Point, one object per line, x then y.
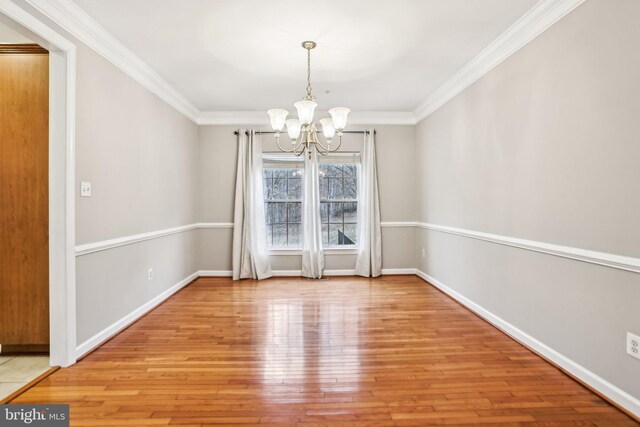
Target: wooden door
{"type": "Point", "coordinates": [24, 197]}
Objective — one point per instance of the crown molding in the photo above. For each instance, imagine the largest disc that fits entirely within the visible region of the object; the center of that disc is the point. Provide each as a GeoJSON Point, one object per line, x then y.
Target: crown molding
{"type": "Point", "coordinates": [540, 17]}
{"type": "Point", "coordinates": [71, 18]}
{"type": "Point", "coordinates": [78, 23]}
{"type": "Point", "coordinates": [382, 118]}
{"type": "Point", "coordinates": [232, 118]}
{"type": "Point", "coordinates": [261, 118]}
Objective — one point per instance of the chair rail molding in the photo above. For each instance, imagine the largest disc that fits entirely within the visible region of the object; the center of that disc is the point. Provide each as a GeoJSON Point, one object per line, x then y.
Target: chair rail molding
{"type": "Point", "coordinates": [214, 225]}
{"type": "Point", "coordinates": [398, 224]}
{"type": "Point", "coordinates": [594, 257]}
{"type": "Point", "coordinates": [539, 18]}
{"type": "Point", "coordinates": [103, 245]}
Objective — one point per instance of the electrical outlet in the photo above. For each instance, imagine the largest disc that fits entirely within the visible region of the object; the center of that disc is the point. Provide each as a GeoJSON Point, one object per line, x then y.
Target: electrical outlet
{"type": "Point", "coordinates": [150, 274]}
{"type": "Point", "coordinates": [424, 253]}
{"type": "Point", "coordinates": [633, 345]}
{"type": "Point", "coordinates": [85, 189]}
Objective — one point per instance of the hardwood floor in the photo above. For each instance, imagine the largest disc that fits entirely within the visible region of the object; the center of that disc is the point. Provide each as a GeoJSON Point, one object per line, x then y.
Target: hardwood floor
{"type": "Point", "coordinates": [392, 351]}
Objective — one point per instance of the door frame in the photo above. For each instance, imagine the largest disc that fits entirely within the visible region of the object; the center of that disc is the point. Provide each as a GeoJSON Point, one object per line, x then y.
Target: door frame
{"type": "Point", "coordinates": [62, 116]}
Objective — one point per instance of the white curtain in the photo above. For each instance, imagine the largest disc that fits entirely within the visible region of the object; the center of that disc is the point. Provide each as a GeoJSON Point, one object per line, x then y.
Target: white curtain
{"type": "Point", "coordinates": [369, 261]}
{"type": "Point", "coordinates": [250, 251]}
{"type": "Point", "coordinates": [312, 252]}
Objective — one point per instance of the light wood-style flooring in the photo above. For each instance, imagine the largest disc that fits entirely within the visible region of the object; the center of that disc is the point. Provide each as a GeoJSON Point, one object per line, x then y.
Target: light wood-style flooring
{"type": "Point", "coordinates": [392, 351]}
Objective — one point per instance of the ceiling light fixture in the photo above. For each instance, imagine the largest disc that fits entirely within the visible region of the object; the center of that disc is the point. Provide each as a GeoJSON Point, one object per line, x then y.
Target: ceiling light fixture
{"type": "Point", "coordinates": [303, 131]}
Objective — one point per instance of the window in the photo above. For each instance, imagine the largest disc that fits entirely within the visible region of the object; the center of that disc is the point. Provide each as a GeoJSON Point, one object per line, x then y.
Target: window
{"type": "Point", "coordinates": [339, 200]}
{"type": "Point", "coordinates": [283, 200]}
{"type": "Point", "coordinates": [282, 175]}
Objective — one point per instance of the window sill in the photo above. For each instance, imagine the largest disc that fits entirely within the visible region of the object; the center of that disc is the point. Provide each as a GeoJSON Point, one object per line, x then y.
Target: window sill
{"type": "Point", "coordinates": [348, 250]}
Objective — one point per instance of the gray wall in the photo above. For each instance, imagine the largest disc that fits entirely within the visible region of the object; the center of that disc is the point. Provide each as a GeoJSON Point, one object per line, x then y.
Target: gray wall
{"type": "Point", "coordinates": [396, 173]}
{"type": "Point", "coordinates": [140, 155]}
{"type": "Point", "coordinates": [545, 147]}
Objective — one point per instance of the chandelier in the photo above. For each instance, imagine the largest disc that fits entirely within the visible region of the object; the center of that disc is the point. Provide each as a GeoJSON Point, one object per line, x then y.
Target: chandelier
{"type": "Point", "coordinates": [303, 131]}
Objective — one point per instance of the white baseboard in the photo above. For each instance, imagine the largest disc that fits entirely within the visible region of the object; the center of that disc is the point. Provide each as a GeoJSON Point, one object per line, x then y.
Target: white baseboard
{"type": "Point", "coordinates": [287, 273]}
{"type": "Point", "coordinates": [229, 273]}
{"type": "Point", "coordinates": [398, 271]}
{"type": "Point", "coordinates": [118, 326]}
{"type": "Point", "coordinates": [614, 393]}
{"type": "Point", "coordinates": [215, 273]}
{"type": "Point", "coordinates": [298, 273]}
{"type": "Point", "coordinates": [328, 273]}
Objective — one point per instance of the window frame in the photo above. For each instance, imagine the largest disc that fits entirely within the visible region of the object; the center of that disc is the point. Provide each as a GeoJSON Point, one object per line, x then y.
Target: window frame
{"type": "Point", "coordinates": [327, 160]}
{"type": "Point", "coordinates": [329, 249]}
{"type": "Point", "coordinates": [294, 165]}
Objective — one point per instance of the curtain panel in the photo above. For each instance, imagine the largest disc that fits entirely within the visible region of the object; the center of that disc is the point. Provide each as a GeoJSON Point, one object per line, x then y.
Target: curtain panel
{"type": "Point", "coordinates": [312, 252]}
{"type": "Point", "coordinates": [250, 250]}
{"type": "Point", "coordinates": [369, 261]}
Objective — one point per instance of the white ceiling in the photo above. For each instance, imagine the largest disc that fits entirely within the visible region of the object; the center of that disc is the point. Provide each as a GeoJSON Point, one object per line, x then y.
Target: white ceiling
{"type": "Point", "coordinates": [242, 55]}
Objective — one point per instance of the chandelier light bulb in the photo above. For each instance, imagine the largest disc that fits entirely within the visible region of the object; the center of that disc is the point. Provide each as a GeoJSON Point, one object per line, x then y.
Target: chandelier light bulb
{"type": "Point", "coordinates": [303, 131]}
{"type": "Point", "coordinates": [328, 129]}
{"type": "Point", "coordinates": [277, 116]}
{"type": "Point", "coordinates": [339, 116]}
{"type": "Point", "coordinates": [293, 128]}
{"type": "Point", "coordinates": [305, 111]}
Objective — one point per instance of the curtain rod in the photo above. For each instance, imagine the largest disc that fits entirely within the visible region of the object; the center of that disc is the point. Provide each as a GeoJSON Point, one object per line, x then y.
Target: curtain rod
{"type": "Point", "coordinates": [272, 132]}
{"type": "Point", "coordinates": [337, 152]}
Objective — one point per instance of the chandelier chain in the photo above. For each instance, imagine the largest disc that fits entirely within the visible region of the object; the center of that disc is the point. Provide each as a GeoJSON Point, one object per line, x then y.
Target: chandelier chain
{"type": "Point", "coordinates": [303, 131]}
{"type": "Point", "coordinates": [309, 73]}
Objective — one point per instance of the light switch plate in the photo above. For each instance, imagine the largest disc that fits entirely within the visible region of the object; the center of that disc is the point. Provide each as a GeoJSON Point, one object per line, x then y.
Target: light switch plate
{"type": "Point", "coordinates": [85, 189]}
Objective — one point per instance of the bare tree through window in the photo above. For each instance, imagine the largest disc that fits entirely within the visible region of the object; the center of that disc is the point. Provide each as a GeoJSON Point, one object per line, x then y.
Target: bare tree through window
{"type": "Point", "coordinates": [338, 203]}
{"type": "Point", "coordinates": [283, 206]}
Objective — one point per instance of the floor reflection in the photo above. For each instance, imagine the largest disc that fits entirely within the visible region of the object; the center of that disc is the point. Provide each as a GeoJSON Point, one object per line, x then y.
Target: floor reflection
{"type": "Point", "coordinates": [311, 343]}
{"type": "Point", "coordinates": [284, 352]}
{"type": "Point", "coordinates": [339, 355]}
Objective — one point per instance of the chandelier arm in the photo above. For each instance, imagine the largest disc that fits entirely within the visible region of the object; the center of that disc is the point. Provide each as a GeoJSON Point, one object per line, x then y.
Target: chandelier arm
{"type": "Point", "coordinates": [326, 149]}
{"type": "Point", "coordinates": [301, 151]}
{"type": "Point", "coordinates": [322, 153]}
{"type": "Point", "coordinates": [337, 146]}
{"type": "Point", "coordinates": [308, 134]}
{"type": "Point", "coordinates": [298, 144]}
{"type": "Point", "coordinates": [282, 149]}
{"type": "Point", "coordinates": [294, 148]}
{"type": "Point", "coordinates": [302, 139]}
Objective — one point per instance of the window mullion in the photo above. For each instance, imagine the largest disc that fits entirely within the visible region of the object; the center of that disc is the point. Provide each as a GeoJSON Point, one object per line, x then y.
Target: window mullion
{"type": "Point", "coordinates": [280, 189]}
